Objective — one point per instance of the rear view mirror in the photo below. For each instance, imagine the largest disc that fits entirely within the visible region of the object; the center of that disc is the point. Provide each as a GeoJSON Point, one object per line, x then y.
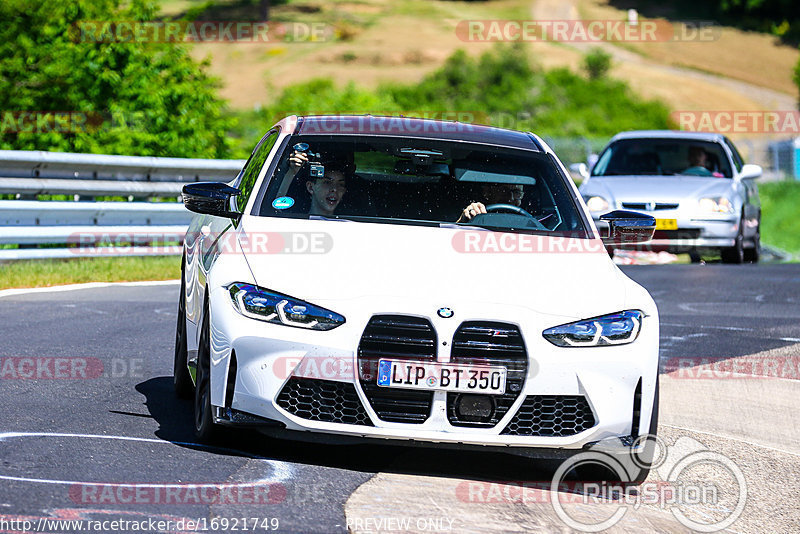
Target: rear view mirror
{"type": "Point", "coordinates": [580, 169]}
{"type": "Point", "coordinates": [210, 198]}
{"type": "Point", "coordinates": [628, 226]}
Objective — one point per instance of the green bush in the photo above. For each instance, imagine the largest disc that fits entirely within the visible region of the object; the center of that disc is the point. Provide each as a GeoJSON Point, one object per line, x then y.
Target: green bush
{"type": "Point", "coordinates": [140, 98]}
{"type": "Point", "coordinates": [597, 63]}
{"type": "Point", "coordinates": [780, 224]}
{"type": "Point", "coordinates": [502, 88]}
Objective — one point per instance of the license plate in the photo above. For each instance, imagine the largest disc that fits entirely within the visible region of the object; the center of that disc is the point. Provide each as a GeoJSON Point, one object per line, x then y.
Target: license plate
{"type": "Point", "coordinates": [442, 376]}
{"type": "Point", "coordinates": [666, 224]}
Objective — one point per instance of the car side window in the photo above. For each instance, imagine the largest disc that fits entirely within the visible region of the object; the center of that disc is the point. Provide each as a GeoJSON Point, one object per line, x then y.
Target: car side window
{"type": "Point", "coordinates": [253, 168]}
{"type": "Point", "coordinates": [737, 158]}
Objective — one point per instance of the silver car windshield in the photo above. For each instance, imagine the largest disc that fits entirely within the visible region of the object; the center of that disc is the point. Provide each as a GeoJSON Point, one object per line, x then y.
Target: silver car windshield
{"type": "Point", "coordinates": [663, 157]}
{"type": "Point", "coordinates": [421, 182]}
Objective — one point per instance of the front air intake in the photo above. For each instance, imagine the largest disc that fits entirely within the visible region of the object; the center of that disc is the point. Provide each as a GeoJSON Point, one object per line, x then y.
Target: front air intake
{"type": "Point", "coordinates": [396, 337]}
{"type": "Point", "coordinates": [494, 344]}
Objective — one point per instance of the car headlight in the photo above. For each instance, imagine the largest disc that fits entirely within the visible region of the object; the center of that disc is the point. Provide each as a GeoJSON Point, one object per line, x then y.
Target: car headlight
{"type": "Point", "coordinates": [596, 204]}
{"type": "Point", "coordinates": [715, 205]}
{"type": "Point", "coordinates": [265, 305]}
{"type": "Point", "coordinates": [613, 329]}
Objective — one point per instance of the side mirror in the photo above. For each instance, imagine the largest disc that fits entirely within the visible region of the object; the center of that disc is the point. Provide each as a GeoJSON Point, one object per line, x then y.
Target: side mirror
{"type": "Point", "coordinates": [210, 198]}
{"type": "Point", "coordinates": [750, 172]}
{"type": "Point", "coordinates": [580, 169]}
{"type": "Point", "coordinates": [628, 226]}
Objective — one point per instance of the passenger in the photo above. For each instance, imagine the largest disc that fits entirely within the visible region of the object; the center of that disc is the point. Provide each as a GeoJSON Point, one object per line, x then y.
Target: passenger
{"type": "Point", "coordinates": [327, 191]}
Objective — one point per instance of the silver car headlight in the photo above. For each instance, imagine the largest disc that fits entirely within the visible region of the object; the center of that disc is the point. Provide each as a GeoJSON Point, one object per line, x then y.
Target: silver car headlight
{"type": "Point", "coordinates": [596, 204]}
{"type": "Point", "coordinates": [715, 205]}
{"type": "Point", "coordinates": [265, 305]}
{"type": "Point", "coordinates": [612, 329]}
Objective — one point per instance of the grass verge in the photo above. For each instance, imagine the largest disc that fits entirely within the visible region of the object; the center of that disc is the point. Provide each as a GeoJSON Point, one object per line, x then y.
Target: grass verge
{"type": "Point", "coordinates": [780, 219]}
{"type": "Point", "coordinates": [42, 273]}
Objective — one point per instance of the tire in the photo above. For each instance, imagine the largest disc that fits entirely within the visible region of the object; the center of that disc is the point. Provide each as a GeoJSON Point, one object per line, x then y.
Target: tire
{"type": "Point", "coordinates": [735, 254]}
{"type": "Point", "coordinates": [752, 255]}
{"type": "Point", "coordinates": [181, 379]}
{"type": "Point", "coordinates": [204, 427]}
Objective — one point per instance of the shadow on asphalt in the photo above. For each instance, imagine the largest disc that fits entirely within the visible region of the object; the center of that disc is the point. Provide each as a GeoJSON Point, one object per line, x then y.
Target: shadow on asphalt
{"type": "Point", "coordinates": [174, 417]}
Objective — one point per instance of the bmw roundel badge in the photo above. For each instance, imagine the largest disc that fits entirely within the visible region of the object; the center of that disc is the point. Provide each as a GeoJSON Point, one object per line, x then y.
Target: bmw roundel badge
{"type": "Point", "coordinates": [445, 313]}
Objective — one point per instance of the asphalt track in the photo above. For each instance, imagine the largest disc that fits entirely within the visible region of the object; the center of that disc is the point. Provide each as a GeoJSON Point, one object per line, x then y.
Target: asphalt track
{"type": "Point", "coordinates": [89, 418]}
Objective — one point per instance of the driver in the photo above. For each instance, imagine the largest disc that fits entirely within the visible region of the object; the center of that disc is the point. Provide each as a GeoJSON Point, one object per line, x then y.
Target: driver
{"type": "Point", "coordinates": [494, 194]}
{"type": "Point", "coordinates": [698, 159]}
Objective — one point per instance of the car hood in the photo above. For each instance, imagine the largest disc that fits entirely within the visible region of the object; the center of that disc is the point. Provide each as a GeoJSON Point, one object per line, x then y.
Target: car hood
{"type": "Point", "coordinates": [657, 188]}
{"type": "Point", "coordinates": [556, 276]}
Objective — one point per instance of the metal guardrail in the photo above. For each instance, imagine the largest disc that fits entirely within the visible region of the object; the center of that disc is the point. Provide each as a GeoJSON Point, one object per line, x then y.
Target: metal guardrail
{"type": "Point", "coordinates": [60, 186]}
{"type": "Point", "coordinates": [85, 228]}
{"type": "Point", "coordinates": [35, 164]}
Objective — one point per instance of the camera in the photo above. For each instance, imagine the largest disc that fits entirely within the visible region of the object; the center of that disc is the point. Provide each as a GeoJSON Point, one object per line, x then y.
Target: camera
{"type": "Point", "coordinates": [315, 167]}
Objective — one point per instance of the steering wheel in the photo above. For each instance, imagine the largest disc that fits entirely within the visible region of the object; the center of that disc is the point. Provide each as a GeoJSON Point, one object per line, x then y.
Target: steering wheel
{"type": "Point", "coordinates": [509, 207]}
{"type": "Point", "coordinates": [516, 210]}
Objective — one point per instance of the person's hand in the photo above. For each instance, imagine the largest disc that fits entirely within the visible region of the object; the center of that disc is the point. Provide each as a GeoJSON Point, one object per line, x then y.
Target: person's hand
{"type": "Point", "coordinates": [297, 160]}
{"type": "Point", "coordinates": [476, 208]}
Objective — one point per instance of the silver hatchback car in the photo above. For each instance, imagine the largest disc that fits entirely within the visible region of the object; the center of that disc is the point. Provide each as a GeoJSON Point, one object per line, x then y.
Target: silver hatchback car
{"type": "Point", "coordinates": [696, 185]}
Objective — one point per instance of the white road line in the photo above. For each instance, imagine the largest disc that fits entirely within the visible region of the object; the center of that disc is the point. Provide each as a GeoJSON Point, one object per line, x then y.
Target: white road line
{"type": "Point", "coordinates": [88, 285]}
{"type": "Point", "coordinates": [282, 471]}
{"type": "Point", "coordinates": [710, 327]}
{"type": "Point", "coordinates": [722, 436]}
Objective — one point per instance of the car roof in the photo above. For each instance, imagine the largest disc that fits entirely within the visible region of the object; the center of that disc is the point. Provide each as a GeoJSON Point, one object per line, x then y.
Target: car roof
{"type": "Point", "coordinates": [669, 134]}
{"type": "Point", "coordinates": [411, 127]}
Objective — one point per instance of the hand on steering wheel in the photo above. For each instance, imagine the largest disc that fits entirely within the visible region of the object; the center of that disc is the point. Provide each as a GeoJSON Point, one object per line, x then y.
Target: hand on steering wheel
{"type": "Point", "coordinates": [509, 207]}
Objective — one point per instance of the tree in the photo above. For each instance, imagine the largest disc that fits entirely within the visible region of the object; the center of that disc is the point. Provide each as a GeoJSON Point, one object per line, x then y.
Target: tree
{"type": "Point", "coordinates": [797, 81]}
{"type": "Point", "coordinates": [134, 97]}
{"type": "Point", "coordinates": [597, 63]}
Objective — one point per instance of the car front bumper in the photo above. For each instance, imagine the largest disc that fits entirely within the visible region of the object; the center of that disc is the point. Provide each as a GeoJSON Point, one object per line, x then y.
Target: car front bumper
{"type": "Point", "coordinates": [610, 379]}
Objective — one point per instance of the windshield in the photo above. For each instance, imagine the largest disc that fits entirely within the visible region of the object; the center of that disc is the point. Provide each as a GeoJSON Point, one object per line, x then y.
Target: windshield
{"type": "Point", "coordinates": [662, 157]}
{"type": "Point", "coordinates": [420, 182]}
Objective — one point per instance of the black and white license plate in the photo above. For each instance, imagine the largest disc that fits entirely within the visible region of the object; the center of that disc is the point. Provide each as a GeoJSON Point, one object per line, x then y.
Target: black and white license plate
{"type": "Point", "coordinates": [442, 376]}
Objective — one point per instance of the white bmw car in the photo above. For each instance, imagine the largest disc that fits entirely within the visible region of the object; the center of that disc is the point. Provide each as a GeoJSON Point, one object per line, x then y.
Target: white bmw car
{"type": "Point", "coordinates": [413, 280]}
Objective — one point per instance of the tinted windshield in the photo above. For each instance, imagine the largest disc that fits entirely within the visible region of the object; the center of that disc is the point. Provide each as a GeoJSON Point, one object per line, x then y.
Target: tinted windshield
{"type": "Point", "coordinates": [420, 182]}
{"type": "Point", "coordinates": [663, 157]}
